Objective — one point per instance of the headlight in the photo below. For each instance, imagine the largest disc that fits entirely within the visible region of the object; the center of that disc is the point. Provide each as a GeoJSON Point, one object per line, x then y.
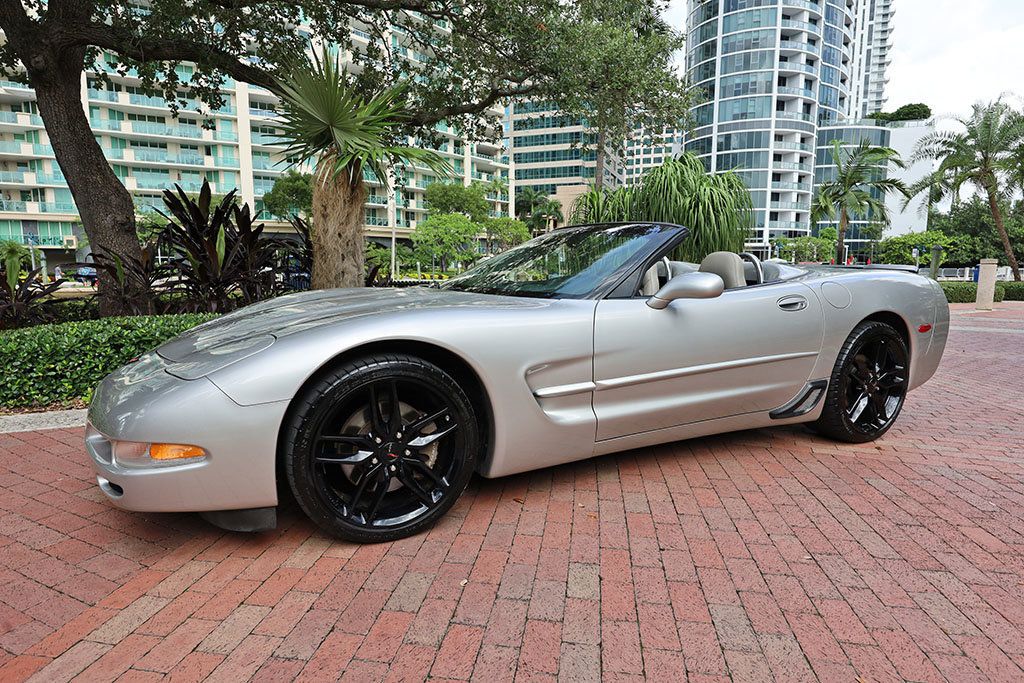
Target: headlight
{"type": "Point", "coordinates": [203, 363]}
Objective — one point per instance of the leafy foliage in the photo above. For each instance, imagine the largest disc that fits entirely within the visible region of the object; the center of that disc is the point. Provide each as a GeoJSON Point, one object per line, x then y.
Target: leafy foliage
{"type": "Point", "coordinates": [806, 249]}
{"type": "Point", "coordinates": [967, 292]}
{"type": "Point", "coordinates": [446, 238]}
{"type": "Point", "coordinates": [716, 208]}
{"type": "Point", "coordinates": [985, 154]}
{"type": "Point", "coordinates": [1014, 290]}
{"type": "Point", "coordinates": [973, 234]}
{"type": "Point", "coordinates": [505, 232]}
{"type": "Point", "coordinates": [900, 248]}
{"type": "Point", "coordinates": [24, 302]}
{"type": "Point", "coordinates": [292, 194]}
{"type": "Point", "coordinates": [456, 197]}
{"type": "Point", "coordinates": [59, 363]}
{"type": "Point", "coordinates": [908, 112]}
{"type": "Point", "coordinates": [220, 253]}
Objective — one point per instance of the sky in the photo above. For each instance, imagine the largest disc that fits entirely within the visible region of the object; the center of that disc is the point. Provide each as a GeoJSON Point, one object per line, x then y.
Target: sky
{"type": "Point", "coordinates": [948, 54]}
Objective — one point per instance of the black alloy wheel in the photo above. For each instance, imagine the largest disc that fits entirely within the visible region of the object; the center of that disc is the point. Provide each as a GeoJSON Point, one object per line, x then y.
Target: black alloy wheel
{"type": "Point", "coordinates": [381, 448]}
{"type": "Point", "coordinates": [868, 385]}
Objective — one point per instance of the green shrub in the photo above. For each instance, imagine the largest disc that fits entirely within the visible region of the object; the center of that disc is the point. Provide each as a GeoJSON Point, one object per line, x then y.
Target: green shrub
{"type": "Point", "coordinates": [75, 310]}
{"type": "Point", "coordinates": [63, 362]}
{"type": "Point", "coordinates": [1014, 290]}
{"type": "Point", "coordinates": [967, 292]}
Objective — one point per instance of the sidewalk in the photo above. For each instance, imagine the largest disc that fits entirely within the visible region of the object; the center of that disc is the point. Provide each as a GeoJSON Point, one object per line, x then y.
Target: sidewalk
{"type": "Point", "coordinates": [759, 555]}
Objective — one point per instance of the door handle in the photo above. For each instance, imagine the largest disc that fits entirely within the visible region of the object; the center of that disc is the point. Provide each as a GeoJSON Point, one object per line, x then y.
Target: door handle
{"type": "Point", "coordinates": [792, 303]}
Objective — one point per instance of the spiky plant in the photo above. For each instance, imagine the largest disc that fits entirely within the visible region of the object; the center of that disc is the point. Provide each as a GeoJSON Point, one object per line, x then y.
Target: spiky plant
{"type": "Point", "coordinates": [858, 189]}
{"type": "Point", "coordinates": [985, 155]}
{"type": "Point", "coordinates": [715, 207]}
{"type": "Point", "coordinates": [327, 122]}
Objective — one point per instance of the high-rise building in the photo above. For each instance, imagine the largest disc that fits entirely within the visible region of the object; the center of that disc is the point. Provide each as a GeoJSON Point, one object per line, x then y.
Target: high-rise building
{"type": "Point", "coordinates": [647, 149]}
{"type": "Point", "coordinates": [872, 56]}
{"type": "Point", "coordinates": [554, 154]}
{"type": "Point", "coordinates": [779, 76]}
{"type": "Point", "coordinates": [150, 150]}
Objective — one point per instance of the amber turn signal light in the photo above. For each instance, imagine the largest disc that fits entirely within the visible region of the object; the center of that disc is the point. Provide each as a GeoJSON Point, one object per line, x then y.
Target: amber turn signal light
{"type": "Point", "coordinates": [174, 451]}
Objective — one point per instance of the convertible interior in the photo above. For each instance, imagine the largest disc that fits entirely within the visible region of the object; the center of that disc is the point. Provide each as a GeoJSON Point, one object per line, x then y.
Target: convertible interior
{"type": "Point", "coordinates": [736, 270]}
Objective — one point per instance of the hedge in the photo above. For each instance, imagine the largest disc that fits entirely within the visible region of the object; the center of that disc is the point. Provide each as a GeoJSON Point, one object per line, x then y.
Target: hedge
{"type": "Point", "coordinates": [1014, 290]}
{"type": "Point", "coordinates": [967, 292]}
{"type": "Point", "coordinates": [52, 364]}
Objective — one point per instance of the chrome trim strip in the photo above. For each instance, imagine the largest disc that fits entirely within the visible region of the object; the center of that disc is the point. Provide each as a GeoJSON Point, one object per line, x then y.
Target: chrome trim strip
{"type": "Point", "coordinates": [565, 390]}
{"type": "Point", "coordinates": [632, 380]}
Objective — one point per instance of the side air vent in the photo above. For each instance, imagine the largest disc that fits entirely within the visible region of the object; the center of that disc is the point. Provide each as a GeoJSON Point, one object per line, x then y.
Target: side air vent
{"type": "Point", "coordinates": [806, 401]}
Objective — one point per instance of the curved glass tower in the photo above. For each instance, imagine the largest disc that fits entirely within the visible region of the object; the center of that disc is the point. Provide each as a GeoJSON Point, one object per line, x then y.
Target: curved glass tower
{"type": "Point", "coordinates": [774, 71]}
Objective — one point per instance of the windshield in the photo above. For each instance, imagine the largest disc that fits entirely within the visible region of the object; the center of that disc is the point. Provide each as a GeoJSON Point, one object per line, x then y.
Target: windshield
{"type": "Point", "coordinates": [565, 264]}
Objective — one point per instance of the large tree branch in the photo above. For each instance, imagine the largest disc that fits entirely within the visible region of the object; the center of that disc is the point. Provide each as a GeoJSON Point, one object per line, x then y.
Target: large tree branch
{"type": "Point", "coordinates": [429, 118]}
{"type": "Point", "coordinates": [168, 49]}
{"type": "Point", "coordinates": [17, 25]}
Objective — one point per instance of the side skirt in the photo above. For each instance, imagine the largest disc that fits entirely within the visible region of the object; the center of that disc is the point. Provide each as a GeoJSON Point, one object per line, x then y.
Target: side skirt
{"type": "Point", "coordinates": [805, 402]}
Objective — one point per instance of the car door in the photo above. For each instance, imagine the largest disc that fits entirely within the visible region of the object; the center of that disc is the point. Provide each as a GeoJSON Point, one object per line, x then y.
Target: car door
{"type": "Point", "coordinates": [750, 350]}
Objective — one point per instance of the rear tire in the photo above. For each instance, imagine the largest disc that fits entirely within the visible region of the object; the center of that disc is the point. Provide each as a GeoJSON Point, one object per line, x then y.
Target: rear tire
{"type": "Point", "coordinates": [380, 448]}
{"type": "Point", "coordinates": [868, 385]}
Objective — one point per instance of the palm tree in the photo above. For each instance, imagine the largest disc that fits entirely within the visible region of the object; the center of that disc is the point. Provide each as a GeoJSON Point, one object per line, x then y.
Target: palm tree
{"type": "Point", "coordinates": [859, 188]}
{"type": "Point", "coordinates": [527, 199]}
{"type": "Point", "coordinates": [715, 207]}
{"type": "Point", "coordinates": [350, 138]}
{"type": "Point", "coordinates": [985, 155]}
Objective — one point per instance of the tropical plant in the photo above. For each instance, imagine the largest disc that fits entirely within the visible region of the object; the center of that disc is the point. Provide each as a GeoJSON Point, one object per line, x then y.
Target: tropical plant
{"type": "Point", "coordinates": [545, 215]}
{"type": "Point", "coordinates": [900, 248]}
{"type": "Point", "coordinates": [505, 232]}
{"type": "Point", "coordinates": [527, 199]}
{"type": "Point", "coordinates": [858, 188]}
{"type": "Point", "coordinates": [715, 207]}
{"type": "Point", "coordinates": [326, 120]}
{"type": "Point", "coordinates": [292, 194]}
{"type": "Point", "coordinates": [221, 258]}
{"type": "Point", "coordinates": [983, 155]}
{"type": "Point", "coordinates": [805, 249]}
{"type": "Point", "coordinates": [972, 233]}
{"type": "Point", "coordinates": [24, 301]}
{"type": "Point", "coordinates": [446, 239]}
{"type": "Point", "coordinates": [133, 284]}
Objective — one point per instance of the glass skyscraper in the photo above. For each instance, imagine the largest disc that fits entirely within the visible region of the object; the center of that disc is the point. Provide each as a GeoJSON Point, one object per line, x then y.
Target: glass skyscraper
{"type": "Point", "coordinates": [776, 75]}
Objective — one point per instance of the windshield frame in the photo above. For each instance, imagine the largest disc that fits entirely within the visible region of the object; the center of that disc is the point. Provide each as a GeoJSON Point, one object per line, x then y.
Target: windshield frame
{"type": "Point", "coordinates": [669, 234]}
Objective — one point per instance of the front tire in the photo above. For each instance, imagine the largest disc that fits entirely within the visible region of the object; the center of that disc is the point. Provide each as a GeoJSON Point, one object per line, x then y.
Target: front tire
{"type": "Point", "coordinates": [868, 385]}
{"type": "Point", "coordinates": [380, 447]}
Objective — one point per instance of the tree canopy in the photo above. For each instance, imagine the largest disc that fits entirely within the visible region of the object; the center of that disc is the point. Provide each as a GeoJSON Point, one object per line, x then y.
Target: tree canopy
{"type": "Point", "coordinates": [446, 239]}
{"type": "Point", "coordinates": [455, 197]}
{"type": "Point", "coordinates": [908, 112]}
{"type": "Point", "coordinates": [291, 194]}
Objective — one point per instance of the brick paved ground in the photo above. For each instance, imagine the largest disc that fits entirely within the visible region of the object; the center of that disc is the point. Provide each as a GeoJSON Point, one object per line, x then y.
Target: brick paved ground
{"type": "Point", "coordinates": [757, 555]}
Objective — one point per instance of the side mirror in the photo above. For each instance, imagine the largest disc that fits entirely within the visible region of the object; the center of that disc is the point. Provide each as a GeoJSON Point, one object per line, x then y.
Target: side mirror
{"type": "Point", "coordinates": [688, 286]}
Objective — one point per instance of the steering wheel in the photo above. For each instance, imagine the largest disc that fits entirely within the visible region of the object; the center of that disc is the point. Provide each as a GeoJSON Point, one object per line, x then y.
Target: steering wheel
{"type": "Point", "coordinates": [747, 256]}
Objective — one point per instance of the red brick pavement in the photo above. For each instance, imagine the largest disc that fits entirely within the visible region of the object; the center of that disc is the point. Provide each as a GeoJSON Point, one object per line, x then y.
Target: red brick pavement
{"type": "Point", "coordinates": [759, 555]}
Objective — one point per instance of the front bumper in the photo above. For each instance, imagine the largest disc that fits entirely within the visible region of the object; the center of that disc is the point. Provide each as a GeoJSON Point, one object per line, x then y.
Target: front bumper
{"type": "Point", "coordinates": [143, 403]}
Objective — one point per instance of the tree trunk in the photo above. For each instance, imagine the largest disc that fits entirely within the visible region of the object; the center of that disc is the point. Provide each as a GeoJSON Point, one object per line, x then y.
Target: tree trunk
{"type": "Point", "coordinates": [844, 220]}
{"type": "Point", "coordinates": [337, 235]}
{"type": "Point", "coordinates": [599, 160]}
{"type": "Point", "coordinates": [997, 216]}
{"type": "Point", "coordinates": [104, 205]}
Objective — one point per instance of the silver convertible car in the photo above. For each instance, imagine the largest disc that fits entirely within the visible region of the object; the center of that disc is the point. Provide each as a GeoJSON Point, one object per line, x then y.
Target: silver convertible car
{"type": "Point", "coordinates": [376, 406]}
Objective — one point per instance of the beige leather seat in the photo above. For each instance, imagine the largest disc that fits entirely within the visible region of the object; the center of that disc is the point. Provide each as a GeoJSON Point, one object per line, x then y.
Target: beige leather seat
{"type": "Point", "coordinates": [726, 265]}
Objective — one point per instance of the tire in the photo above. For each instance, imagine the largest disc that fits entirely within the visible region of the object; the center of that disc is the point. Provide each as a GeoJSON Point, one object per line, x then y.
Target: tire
{"type": "Point", "coordinates": [868, 385]}
{"type": "Point", "coordinates": [371, 476]}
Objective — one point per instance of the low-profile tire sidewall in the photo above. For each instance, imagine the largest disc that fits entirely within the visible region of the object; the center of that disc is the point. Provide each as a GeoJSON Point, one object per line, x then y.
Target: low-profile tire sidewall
{"type": "Point", "coordinates": [833, 421]}
{"type": "Point", "coordinates": [333, 388]}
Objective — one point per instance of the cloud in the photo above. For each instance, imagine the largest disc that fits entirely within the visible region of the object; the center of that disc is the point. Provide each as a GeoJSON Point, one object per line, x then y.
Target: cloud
{"type": "Point", "coordinates": [950, 54]}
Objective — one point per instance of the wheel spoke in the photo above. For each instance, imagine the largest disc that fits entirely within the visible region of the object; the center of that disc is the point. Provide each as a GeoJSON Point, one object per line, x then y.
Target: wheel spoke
{"type": "Point", "coordinates": [881, 406]}
{"type": "Point", "coordinates": [395, 418]}
{"type": "Point", "coordinates": [420, 424]}
{"type": "Point", "coordinates": [382, 487]}
{"type": "Point", "coordinates": [354, 459]}
{"type": "Point", "coordinates": [358, 495]}
{"type": "Point", "coordinates": [424, 441]}
{"type": "Point", "coordinates": [857, 409]}
{"type": "Point", "coordinates": [426, 469]}
{"type": "Point", "coordinates": [377, 419]}
{"type": "Point", "coordinates": [881, 355]}
{"type": "Point", "coordinates": [892, 380]}
{"type": "Point", "coordinates": [409, 479]}
{"type": "Point", "coordinates": [356, 440]}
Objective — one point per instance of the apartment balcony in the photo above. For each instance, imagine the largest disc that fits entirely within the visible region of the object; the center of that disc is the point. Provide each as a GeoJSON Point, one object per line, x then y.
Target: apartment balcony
{"type": "Point", "coordinates": [797, 187]}
{"type": "Point", "coordinates": [786, 92]}
{"type": "Point", "coordinates": [790, 24]}
{"type": "Point", "coordinates": [797, 67]}
{"type": "Point", "coordinates": [19, 121]}
{"type": "Point", "coordinates": [795, 146]}
{"type": "Point", "coordinates": [35, 208]}
{"type": "Point", "coordinates": [791, 206]}
{"type": "Point", "coordinates": [793, 116]}
{"type": "Point", "coordinates": [790, 166]}
{"type": "Point", "coordinates": [790, 46]}
{"type": "Point", "coordinates": [787, 225]}
{"type": "Point", "coordinates": [813, 7]}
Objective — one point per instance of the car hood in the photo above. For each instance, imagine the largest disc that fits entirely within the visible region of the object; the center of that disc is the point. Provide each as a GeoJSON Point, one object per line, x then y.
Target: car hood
{"type": "Point", "coordinates": [296, 313]}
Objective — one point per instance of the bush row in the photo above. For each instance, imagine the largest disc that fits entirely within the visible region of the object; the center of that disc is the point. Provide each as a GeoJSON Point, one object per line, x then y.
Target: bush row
{"type": "Point", "coordinates": [52, 364]}
{"type": "Point", "coordinates": [1014, 290]}
{"type": "Point", "coordinates": [967, 292]}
